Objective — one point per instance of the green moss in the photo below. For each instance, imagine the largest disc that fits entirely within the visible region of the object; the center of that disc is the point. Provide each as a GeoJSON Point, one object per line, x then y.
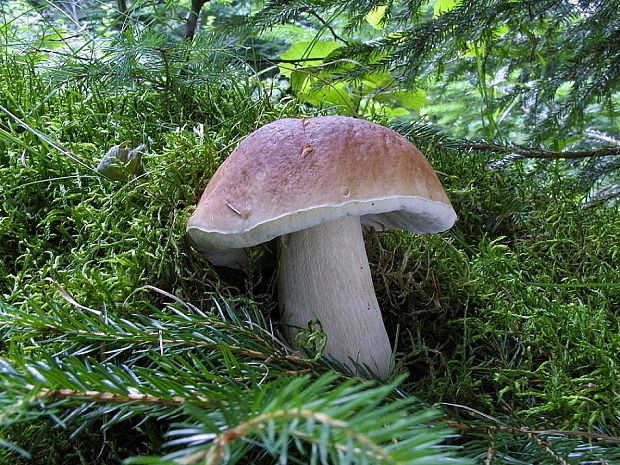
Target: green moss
{"type": "Point", "coordinates": [513, 312]}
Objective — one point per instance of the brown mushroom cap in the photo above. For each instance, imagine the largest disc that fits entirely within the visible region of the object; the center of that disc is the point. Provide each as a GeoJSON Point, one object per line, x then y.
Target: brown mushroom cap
{"type": "Point", "coordinates": [293, 174]}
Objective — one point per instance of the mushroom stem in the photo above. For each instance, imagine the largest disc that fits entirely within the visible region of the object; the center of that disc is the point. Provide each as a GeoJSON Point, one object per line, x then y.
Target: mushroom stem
{"type": "Point", "coordinates": [324, 275]}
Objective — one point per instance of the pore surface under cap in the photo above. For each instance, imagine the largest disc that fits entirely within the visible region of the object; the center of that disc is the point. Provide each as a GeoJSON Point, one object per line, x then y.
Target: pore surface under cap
{"type": "Point", "coordinates": [295, 173]}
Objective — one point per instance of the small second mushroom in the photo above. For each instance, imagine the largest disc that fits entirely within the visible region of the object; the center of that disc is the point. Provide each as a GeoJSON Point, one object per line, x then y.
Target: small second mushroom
{"type": "Point", "coordinates": [314, 183]}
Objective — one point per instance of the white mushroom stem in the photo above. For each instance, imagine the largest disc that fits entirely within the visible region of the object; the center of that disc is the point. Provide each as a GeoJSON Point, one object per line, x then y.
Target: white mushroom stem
{"type": "Point", "coordinates": [324, 275]}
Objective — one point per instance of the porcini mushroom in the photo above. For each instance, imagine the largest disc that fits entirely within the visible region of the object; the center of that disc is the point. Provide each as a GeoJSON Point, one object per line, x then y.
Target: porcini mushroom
{"type": "Point", "coordinates": [314, 183]}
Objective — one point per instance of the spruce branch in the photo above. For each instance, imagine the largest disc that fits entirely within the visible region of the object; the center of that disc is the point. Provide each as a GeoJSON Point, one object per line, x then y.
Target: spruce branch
{"type": "Point", "coordinates": [217, 452]}
{"type": "Point", "coordinates": [535, 153]}
{"type": "Point", "coordinates": [427, 134]}
{"type": "Point", "coordinates": [306, 414]}
{"type": "Point", "coordinates": [547, 447]}
{"type": "Point", "coordinates": [326, 25]}
{"type": "Point", "coordinates": [121, 368]}
{"type": "Point", "coordinates": [499, 439]}
{"type": "Point", "coordinates": [113, 398]}
{"type": "Point", "coordinates": [80, 325]}
{"type": "Point", "coordinates": [515, 430]}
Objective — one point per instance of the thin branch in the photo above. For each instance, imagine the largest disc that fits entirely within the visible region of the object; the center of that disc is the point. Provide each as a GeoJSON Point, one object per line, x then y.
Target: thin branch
{"type": "Point", "coordinates": [143, 399]}
{"type": "Point", "coordinates": [122, 6]}
{"type": "Point", "coordinates": [327, 25]}
{"type": "Point", "coordinates": [274, 61]}
{"type": "Point", "coordinates": [527, 152]}
{"type": "Point", "coordinates": [192, 19]}
{"type": "Point", "coordinates": [514, 430]}
{"type": "Point", "coordinates": [491, 450]}
{"type": "Point", "coordinates": [534, 153]}
{"type": "Point", "coordinates": [604, 137]}
{"type": "Point", "coordinates": [111, 398]}
{"type": "Point", "coordinates": [518, 152]}
{"type": "Point", "coordinates": [156, 340]}
{"type": "Point", "coordinates": [546, 445]}
{"type": "Point", "coordinates": [123, 14]}
{"type": "Point", "coordinates": [600, 200]}
{"type": "Point", "coordinates": [216, 453]}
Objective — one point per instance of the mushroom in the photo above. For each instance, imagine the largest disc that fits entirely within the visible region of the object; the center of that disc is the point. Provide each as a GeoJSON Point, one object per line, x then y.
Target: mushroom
{"type": "Point", "coordinates": [314, 183]}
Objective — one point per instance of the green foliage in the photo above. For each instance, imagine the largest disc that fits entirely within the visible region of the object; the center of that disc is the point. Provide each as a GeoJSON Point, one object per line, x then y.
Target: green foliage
{"type": "Point", "coordinates": [518, 302]}
{"type": "Point", "coordinates": [514, 51]}
{"type": "Point", "coordinates": [306, 80]}
{"type": "Point", "coordinates": [112, 322]}
{"type": "Point", "coordinates": [315, 72]}
{"type": "Point", "coordinates": [204, 373]}
{"type": "Point", "coordinates": [494, 70]}
{"type": "Point", "coordinates": [489, 71]}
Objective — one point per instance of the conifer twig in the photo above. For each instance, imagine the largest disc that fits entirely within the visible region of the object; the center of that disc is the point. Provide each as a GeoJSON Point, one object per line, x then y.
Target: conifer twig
{"type": "Point", "coordinates": [327, 25]}
{"type": "Point", "coordinates": [216, 453]}
{"type": "Point", "coordinates": [113, 398]}
{"type": "Point", "coordinates": [458, 426]}
{"type": "Point", "coordinates": [155, 339]}
{"type": "Point", "coordinates": [520, 152]}
{"type": "Point", "coordinates": [535, 153]}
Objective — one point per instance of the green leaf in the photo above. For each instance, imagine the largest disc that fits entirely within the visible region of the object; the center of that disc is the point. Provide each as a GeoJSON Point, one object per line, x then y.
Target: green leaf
{"type": "Point", "coordinates": [501, 30]}
{"type": "Point", "coordinates": [53, 40]}
{"type": "Point", "coordinates": [311, 83]}
{"type": "Point", "coordinates": [375, 17]}
{"type": "Point", "coordinates": [377, 79]}
{"type": "Point", "coordinates": [443, 6]}
{"type": "Point", "coordinates": [564, 89]}
{"type": "Point", "coordinates": [332, 94]}
{"type": "Point", "coordinates": [304, 50]}
{"type": "Point", "coordinates": [412, 99]}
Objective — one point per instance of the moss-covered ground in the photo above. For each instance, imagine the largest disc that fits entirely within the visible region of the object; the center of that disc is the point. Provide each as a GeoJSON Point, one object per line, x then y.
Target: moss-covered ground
{"type": "Point", "coordinates": [513, 313]}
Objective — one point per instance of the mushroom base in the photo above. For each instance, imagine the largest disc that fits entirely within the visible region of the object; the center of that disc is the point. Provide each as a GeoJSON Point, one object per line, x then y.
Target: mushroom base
{"type": "Point", "coordinates": [324, 276]}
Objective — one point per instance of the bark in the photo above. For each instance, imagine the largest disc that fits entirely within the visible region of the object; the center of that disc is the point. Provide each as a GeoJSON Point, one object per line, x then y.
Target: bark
{"type": "Point", "coordinates": [192, 19]}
